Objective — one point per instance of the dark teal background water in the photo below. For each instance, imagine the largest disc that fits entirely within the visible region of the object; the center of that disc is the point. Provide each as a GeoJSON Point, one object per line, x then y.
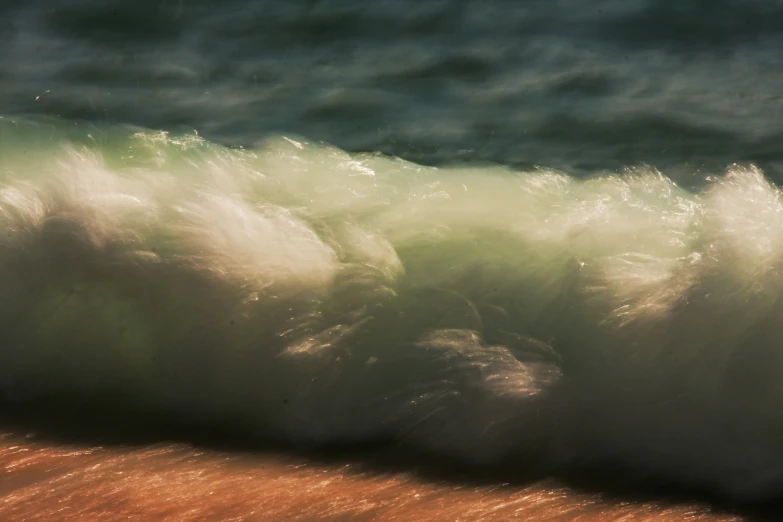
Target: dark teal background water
{"type": "Point", "coordinates": [687, 86]}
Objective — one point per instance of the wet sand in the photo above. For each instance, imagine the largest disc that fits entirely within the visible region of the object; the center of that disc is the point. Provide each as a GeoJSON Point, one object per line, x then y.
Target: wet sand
{"type": "Point", "coordinates": [52, 481]}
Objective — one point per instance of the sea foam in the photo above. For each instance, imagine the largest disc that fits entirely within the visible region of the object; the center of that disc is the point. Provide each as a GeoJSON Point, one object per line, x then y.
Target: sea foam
{"type": "Point", "coordinates": [319, 297]}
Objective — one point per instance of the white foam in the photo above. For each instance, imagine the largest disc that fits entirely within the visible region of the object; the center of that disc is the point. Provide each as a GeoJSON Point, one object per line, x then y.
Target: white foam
{"type": "Point", "coordinates": [323, 297]}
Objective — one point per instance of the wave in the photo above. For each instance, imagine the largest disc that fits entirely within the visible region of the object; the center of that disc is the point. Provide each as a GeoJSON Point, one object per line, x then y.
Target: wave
{"type": "Point", "coordinates": [320, 297]}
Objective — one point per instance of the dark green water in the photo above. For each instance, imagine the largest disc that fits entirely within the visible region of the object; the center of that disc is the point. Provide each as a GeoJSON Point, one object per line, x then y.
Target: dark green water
{"type": "Point", "coordinates": [580, 86]}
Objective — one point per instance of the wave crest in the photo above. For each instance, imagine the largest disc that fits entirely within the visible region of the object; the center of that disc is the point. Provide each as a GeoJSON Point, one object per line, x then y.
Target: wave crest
{"type": "Point", "coordinates": [321, 297]}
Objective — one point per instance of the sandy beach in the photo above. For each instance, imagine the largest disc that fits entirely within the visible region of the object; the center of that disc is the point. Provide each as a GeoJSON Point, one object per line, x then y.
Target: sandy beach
{"type": "Point", "coordinates": [46, 481]}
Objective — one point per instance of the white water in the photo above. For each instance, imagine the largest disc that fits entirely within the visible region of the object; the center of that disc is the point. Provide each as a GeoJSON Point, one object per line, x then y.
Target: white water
{"type": "Point", "coordinates": [319, 297]}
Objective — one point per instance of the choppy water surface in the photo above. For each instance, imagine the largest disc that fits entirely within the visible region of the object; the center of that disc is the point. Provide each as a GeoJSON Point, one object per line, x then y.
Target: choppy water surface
{"type": "Point", "coordinates": [565, 84]}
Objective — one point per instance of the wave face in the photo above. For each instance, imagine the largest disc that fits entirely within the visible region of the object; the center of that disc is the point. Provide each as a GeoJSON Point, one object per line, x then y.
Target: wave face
{"type": "Point", "coordinates": [319, 297]}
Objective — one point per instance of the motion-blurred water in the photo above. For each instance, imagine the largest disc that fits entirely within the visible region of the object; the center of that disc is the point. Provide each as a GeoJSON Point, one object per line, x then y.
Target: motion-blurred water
{"type": "Point", "coordinates": [580, 86]}
{"type": "Point", "coordinates": [186, 231]}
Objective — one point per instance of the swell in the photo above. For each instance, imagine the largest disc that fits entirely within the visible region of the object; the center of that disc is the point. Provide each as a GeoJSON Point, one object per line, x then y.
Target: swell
{"type": "Point", "coordinates": [317, 297]}
{"type": "Point", "coordinates": [572, 86]}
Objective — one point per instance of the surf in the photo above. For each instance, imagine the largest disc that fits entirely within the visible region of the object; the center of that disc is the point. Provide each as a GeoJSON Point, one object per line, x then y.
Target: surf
{"type": "Point", "coordinates": [478, 313]}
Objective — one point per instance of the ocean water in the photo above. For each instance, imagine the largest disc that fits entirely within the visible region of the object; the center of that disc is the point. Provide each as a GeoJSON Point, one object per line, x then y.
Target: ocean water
{"type": "Point", "coordinates": [544, 235]}
{"type": "Point", "coordinates": [579, 86]}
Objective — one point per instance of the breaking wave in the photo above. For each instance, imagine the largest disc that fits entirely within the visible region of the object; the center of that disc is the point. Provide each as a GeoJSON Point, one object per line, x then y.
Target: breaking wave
{"type": "Point", "coordinates": [319, 297]}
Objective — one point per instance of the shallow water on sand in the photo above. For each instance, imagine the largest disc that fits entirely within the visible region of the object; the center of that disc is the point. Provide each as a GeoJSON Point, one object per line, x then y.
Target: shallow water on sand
{"type": "Point", "coordinates": [42, 480]}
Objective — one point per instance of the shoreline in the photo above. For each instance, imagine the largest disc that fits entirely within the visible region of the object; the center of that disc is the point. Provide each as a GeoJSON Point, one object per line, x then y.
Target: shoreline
{"type": "Point", "coordinates": [46, 480]}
